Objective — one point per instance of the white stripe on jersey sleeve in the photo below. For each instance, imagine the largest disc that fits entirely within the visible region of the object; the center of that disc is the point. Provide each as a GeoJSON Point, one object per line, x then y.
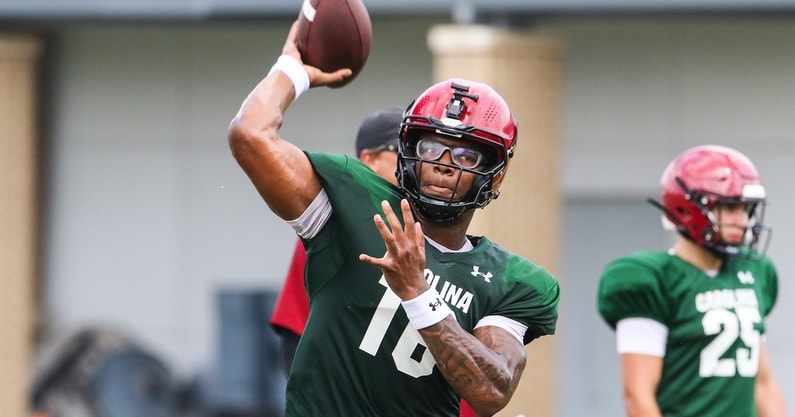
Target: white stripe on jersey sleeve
{"type": "Point", "coordinates": [641, 335]}
{"type": "Point", "coordinates": [510, 325]}
{"type": "Point", "coordinates": [314, 217]}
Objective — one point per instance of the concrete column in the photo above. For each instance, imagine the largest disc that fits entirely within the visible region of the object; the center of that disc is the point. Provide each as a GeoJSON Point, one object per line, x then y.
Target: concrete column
{"type": "Point", "coordinates": [18, 212]}
{"type": "Point", "coordinates": [526, 69]}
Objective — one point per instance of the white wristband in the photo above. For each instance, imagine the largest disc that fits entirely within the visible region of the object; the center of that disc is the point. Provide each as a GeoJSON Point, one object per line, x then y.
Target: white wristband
{"type": "Point", "coordinates": [426, 309]}
{"type": "Point", "coordinates": [293, 69]}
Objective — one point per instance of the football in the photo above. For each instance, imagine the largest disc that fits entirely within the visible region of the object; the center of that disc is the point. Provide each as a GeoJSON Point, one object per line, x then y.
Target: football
{"type": "Point", "coordinates": [334, 34]}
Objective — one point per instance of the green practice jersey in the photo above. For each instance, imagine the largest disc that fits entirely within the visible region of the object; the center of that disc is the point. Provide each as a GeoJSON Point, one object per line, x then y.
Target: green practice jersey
{"type": "Point", "coordinates": [358, 355]}
{"type": "Point", "coordinates": [714, 326]}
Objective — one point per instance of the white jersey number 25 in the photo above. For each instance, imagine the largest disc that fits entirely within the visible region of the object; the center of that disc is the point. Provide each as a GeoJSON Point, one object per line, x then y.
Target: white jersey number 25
{"type": "Point", "coordinates": [728, 327]}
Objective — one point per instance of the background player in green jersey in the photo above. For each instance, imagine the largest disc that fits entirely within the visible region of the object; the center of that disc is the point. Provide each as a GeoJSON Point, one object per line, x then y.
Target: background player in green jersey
{"type": "Point", "coordinates": [689, 322]}
{"type": "Point", "coordinates": [441, 315]}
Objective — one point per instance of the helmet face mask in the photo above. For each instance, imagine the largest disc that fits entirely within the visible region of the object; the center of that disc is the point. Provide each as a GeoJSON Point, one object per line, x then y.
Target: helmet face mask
{"type": "Point", "coordinates": [707, 225]}
{"type": "Point", "coordinates": [444, 209]}
{"type": "Point", "coordinates": [462, 110]}
{"type": "Point", "coordinates": [700, 181]}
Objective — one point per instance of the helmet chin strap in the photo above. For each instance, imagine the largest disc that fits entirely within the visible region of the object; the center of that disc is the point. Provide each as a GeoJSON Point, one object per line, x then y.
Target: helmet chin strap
{"type": "Point", "coordinates": [724, 255]}
{"type": "Point", "coordinates": [723, 250]}
{"type": "Point", "coordinates": [435, 213]}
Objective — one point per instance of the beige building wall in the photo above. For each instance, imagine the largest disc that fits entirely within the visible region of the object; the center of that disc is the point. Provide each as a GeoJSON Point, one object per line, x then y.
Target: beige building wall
{"type": "Point", "coordinates": [526, 69]}
{"type": "Point", "coordinates": [18, 187]}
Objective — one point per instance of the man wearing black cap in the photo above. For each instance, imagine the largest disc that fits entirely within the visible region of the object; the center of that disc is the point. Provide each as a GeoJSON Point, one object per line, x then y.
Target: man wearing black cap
{"type": "Point", "coordinates": [376, 146]}
{"type": "Point", "coordinates": [377, 141]}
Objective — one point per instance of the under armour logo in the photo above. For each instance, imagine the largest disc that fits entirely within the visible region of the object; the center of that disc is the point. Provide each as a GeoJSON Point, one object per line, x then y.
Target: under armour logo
{"type": "Point", "coordinates": [436, 303]}
{"type": "Point", "coordinates": [476, 273]}
{"type": "Point", "coordinates": [745, 277]}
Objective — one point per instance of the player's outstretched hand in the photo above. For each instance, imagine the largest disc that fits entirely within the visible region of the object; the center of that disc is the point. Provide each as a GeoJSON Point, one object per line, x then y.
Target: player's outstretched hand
{"type": "Point", "coordinates": [317, 77]}
{"type": "Point", "coordinates": [403, 264]}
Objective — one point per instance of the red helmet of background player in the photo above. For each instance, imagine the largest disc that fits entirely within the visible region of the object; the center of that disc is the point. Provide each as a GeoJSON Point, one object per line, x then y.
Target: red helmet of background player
{"type": "Point", "coordinates": [460, 109]}
{"type": "Point", "coordinates": [702, 177]}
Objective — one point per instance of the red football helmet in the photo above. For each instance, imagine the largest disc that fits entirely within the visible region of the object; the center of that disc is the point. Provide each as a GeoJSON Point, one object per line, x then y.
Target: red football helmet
{"type": "Point", "coordinates": [702, 177]}
{"type": "Point", "coordinates": [465, 110]}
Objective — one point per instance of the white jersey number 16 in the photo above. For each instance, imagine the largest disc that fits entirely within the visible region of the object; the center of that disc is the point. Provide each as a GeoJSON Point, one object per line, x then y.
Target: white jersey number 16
{"type": "Point", "coordinates": [406, 346]}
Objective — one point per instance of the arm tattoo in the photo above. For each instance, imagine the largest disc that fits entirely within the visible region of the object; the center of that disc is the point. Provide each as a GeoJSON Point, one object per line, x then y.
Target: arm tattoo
{"type": "Point", "coordinates": [484, 368]}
